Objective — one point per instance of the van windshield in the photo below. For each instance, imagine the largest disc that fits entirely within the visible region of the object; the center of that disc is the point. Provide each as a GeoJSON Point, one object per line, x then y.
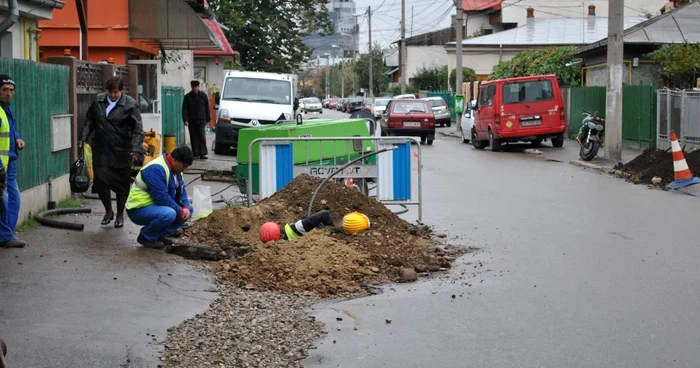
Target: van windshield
{"type": "Point", "coordinates": [531, 91]}
{"type": "Point", "coordinates": [258, 90]}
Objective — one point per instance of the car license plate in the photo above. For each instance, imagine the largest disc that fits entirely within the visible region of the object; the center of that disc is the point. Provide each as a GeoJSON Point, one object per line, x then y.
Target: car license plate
{"type": "Point", "coordinates": [530, 123]}
{"type": "Point", "coordinates": [411, 123]}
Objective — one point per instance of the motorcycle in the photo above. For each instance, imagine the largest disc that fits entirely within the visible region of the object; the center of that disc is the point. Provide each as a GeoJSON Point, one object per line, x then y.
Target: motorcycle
{"type": "Point", "coordinates": [590, 136]}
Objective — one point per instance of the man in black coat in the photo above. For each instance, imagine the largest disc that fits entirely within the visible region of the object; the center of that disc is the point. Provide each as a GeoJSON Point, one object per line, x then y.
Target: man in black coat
{"type": "Point", "coordinates": [196, 115]}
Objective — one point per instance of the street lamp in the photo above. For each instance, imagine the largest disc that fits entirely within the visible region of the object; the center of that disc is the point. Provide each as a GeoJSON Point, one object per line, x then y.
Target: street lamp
{"type": "Point", "coordinates": [328, 68]}
{"type": "Point", "coordinates": [342, 71]}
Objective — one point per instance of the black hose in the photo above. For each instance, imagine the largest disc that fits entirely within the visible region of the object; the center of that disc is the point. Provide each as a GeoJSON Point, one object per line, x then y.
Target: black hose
{"type": "Point", "coordinates": [318, 189]}
{"type": "Point", "coordinates": [41, 218]}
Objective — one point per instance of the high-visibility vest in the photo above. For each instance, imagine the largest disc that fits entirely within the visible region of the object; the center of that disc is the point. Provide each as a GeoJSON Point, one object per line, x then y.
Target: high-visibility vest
{"type": "Point", "coordinates": [291, 234]}
{"type": "Point", "coordinates": [138, 195]}
{"type": "Point", "coordinates": [4, 138]}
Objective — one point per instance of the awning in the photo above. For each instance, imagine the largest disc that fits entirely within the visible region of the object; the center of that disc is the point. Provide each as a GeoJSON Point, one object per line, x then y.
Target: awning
{"type": "Point", "coordinates": [392, 71]}
{"type": "Point", "coordinates": [479, 5]}
{"type": "Point", "coordinates": [216, 28]}
{"type": "Point", "coordinates": [170, 23]}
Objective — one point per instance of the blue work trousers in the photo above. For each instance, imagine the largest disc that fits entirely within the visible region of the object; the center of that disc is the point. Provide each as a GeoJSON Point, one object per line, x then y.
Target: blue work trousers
{"type": "Point", "coordinates": [10, 204]}
{"type": "Point", "coordinates": [157, 221]}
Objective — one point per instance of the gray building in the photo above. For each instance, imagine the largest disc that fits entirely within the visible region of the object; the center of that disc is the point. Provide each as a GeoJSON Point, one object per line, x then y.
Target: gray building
{"type": "Point", "coordinates": [678, 26]}
{"type": "Point", "coordinates": [346, 37]}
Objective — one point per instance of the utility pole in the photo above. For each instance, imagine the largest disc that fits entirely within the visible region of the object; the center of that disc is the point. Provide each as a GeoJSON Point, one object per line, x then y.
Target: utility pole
{"type": "Point", "coordinates": [371, 53]}
{"type": "Point", "coordinates": [613, 105]}
{"type": "Point", "coordinates": [342, 72]}
{"type": "Point", "coordinates": [411, 20]}
{"type": "Point", "coordinates": [458, 47]}
{"type": "Point", "coordinates": [328, 68]}
{"type": "Point", "coordinates": [402, 50]}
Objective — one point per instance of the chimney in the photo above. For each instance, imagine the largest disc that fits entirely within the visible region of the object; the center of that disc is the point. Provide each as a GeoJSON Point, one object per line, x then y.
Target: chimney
{"type": "Point", "coordinates": [591, 10]}
{"type": "Point", "coordinates": [530, 12]}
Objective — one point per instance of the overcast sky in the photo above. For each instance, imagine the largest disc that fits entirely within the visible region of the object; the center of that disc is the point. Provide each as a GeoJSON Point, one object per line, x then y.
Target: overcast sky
{"type": "Point", "coordinates": [428, 15]}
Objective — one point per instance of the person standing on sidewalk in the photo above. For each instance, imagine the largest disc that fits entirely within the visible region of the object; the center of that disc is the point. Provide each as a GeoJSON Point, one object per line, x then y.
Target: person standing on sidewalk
{"type": "Point", "coordinates": [196, 115]}
{"type": "Point", "coordinates": [158, 199]}
{"type": "Point", "coordinates": [10, 145]}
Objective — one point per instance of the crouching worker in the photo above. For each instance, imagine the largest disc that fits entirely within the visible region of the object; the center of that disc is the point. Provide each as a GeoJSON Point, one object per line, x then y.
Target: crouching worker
{"type": "Point", "coordinates": [272, 231]}
{"type": "Point", "coordinates": [158, 198]}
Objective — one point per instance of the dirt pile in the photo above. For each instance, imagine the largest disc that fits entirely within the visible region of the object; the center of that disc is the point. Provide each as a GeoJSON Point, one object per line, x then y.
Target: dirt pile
{"type": "Point", "coordinates": [656, 163]}
{"type": "Point", "coordinates": [325, 260]}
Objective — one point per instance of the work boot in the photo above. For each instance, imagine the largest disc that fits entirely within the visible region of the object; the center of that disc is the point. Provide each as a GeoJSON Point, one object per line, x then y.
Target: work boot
{"type": "Point", "coordinates": [165, 240]}
{"type": "Point", "coordinates": [149, 244]}
{"type": "Point", "coordinates": [203, 157]}
{"type": "Point", "coordinates": [14, 243]}
{"type": "Point", "coordinates": [176, 234]}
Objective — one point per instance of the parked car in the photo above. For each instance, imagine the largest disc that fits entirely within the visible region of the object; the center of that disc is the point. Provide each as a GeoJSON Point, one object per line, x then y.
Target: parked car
{"type": "Point", "coordinates": [326, 101]}
{"type": "Point", "coordinates": [407, 96]}
{"type": "Point", "coordinates": [367, 105]}
{"type": "Point", "coordinates": [379, 106]}
{"type": "Point", "coordinates": [413, 118]}
{"type": "Point", "coordinates": [467, 122]}
{"type": "Point", "coordinates": [354, 104]}
{"type": "Point", "coordinates": [346, 102]}
{"type": "Point", "coordinates": [332, 103]}
{"type": "Point", "coordinates": [525, 109]}
{"type": "Point", "coordinates": [341, 102]}
{"type": "Point", "coordinates": [312, 104]}
{"type": "Point", "coordinates": [442, 113]}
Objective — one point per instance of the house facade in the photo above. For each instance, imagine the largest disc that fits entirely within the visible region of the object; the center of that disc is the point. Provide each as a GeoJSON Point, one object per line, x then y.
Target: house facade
{"type": "Point", "coordinates": [677, 26]}
{"type": "Point", "coordinates": [19, 28]}
{"type": "Point", "coordinates": [483, 53]}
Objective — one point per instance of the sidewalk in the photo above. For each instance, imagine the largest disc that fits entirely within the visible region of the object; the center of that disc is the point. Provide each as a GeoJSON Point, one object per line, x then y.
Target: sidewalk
{"type": "Point", "coordinates": [569, 153]}
{"type": "Point", "coordinates": [96, 298]}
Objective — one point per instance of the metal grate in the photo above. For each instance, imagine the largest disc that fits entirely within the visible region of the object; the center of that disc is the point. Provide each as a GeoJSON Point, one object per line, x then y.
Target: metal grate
{"type": "Point", "coordinates": [89, 77]}
{"type": "Point", "coordinates": [123, 74]}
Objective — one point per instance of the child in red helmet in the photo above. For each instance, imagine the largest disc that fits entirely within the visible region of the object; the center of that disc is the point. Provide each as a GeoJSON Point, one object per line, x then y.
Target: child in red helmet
{"type": "Point", "coordinates": [272, 231]}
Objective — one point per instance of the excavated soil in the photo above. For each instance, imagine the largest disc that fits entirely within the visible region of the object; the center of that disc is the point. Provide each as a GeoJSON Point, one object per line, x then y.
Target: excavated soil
{"type": "Point", "coordinates": [326, 261]}
{"type": "Point", "coordinates": [656, 163]}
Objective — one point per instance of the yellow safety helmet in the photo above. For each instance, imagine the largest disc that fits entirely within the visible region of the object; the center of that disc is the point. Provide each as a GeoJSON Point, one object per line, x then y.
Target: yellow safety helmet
{"type": "Point", "coordinates": [354, 222]}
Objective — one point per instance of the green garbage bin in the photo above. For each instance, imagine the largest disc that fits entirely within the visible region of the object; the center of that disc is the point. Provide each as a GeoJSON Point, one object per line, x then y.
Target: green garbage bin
{"type": "Point", "coordinates": [459, 104]}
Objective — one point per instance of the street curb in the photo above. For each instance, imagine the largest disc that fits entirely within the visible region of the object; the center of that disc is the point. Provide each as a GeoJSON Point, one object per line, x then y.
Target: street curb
{"type": "Point", "coordinates": [588, 165]}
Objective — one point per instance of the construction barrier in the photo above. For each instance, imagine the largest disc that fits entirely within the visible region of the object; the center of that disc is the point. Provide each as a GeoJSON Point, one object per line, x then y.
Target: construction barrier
{"type": "Point", "coordinates": [391, 170]}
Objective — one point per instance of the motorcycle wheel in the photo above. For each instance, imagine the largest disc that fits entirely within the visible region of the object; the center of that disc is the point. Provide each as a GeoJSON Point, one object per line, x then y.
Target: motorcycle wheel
{"type": "Point", "coordinates": [589, 150]}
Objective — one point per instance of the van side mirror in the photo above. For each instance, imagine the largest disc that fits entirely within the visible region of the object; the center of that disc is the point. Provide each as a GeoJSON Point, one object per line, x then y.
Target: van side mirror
{"type": "Point", "coordinates": [217, 100]}
{"type": "Point", "coordinates": [473, 105]}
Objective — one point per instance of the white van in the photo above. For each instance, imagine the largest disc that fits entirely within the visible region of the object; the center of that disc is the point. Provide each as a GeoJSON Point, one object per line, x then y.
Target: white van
{"type": "Point", "coordinates": [252, 99]}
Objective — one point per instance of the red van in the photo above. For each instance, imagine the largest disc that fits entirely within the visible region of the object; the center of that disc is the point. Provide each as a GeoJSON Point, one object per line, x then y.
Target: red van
{"type": "Point", "coordinates": [525, 109]}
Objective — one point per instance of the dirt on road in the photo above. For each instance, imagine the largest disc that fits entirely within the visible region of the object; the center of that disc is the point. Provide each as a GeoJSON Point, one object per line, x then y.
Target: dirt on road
{"type": "Point", "coordinates": [656, 163]}
{"type": "Point", "coordinates": [326, 261]}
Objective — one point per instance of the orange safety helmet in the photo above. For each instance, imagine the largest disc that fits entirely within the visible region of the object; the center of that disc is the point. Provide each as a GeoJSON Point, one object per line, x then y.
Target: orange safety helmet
{"type": "Point", "coordinates": [270, 231]}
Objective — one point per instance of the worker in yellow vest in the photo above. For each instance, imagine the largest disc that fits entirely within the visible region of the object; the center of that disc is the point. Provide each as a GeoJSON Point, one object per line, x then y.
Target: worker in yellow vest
{"type": "Point", "coordinates": [158, 198]}
{"type": "Point", "coordinates": [10, 145]}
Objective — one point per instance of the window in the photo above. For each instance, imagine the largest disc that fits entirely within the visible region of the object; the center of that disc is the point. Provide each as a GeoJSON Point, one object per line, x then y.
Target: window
{"type": "Point", "coordinates": [407, 106]}
{"type": "Point", "coordinates": [257, 90]}
{"type": "Point", "coordinates": [486, 95]}
{"type": "Point", "coordinates": [437, 103]}
{"type": "Point", "coordinates": [200, 72]}
{"type": "Point", "coordinates": [519, 92]}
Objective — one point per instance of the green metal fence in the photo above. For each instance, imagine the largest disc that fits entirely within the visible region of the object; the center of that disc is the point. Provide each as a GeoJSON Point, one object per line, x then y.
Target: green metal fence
{"type": "Point", "coordinates": [638, 112]}
{"type": "Point", "coordinates": [639, 116]}
{"type": "Point", "coordinates": [449, 97]}
{"type": "Point", "coordinates": [172, 112]}
{"type": "Point", "coordinates": [41, 91]}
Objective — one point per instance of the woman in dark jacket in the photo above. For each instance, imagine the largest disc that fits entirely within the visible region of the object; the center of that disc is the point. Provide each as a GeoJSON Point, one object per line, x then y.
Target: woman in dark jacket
{"type": "Point", "coordinates": [115, 120]}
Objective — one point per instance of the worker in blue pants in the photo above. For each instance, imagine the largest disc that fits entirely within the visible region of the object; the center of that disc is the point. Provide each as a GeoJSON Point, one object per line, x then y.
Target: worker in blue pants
{"type": "Point", "coordinates": [158, 198]}
{"type": "Point", "coordinates": [10, 145]}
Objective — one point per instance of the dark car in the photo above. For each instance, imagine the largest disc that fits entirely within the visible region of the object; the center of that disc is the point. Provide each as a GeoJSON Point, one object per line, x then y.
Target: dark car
{"type": "Point", "coordinates": [412, 118]}
{"type": "Point", "coordinates": [354, 104]}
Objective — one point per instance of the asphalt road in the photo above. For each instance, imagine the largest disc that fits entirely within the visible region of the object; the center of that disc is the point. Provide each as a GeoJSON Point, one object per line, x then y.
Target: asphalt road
{"type": "Point", "coordinates": [574, 269]}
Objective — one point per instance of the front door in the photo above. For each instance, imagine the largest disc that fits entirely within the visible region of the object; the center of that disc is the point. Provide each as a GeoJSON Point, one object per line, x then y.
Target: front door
{"type": "Point", "coordinates": [149, 90]}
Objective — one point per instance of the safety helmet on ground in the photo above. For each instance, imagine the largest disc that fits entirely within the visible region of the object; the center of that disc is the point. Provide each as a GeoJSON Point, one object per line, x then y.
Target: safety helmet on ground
{"type": "Point", "coordinates": [270, 231]}
{"type": "Point", "coordinates": [354, 222]}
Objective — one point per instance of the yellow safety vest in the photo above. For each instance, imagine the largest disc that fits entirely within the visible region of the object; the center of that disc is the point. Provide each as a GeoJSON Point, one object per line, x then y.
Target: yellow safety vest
{"type": "Point", "coordinates": [138, 195]}
{"type": "Point", "coordinates": [291, 234]}
{"type": "Point", "coordinates": [4, 138]}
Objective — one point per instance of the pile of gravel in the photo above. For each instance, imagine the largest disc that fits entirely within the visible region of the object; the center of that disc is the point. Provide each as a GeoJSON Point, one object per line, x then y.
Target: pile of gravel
{"type": "Point", "coordinates": [245, 328]}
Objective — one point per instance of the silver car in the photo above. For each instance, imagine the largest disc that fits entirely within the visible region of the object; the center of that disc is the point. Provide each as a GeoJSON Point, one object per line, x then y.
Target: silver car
{"type": "Point", "coordinates": [312, 104]}
{"type": "Point", "coordinates": [442, 113]}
